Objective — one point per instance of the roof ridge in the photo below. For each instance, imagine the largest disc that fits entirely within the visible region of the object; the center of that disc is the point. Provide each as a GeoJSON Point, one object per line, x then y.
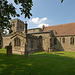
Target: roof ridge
{"type": "Point", "coordinates": [60, 24]}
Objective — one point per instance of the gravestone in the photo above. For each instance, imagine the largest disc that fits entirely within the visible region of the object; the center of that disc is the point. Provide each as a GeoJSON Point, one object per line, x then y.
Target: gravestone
{"type": "Point", "coordinates": [9, 50]}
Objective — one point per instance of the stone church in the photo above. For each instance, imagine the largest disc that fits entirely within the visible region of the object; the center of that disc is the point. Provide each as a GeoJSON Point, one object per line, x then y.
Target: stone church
{"type": "Point", "coordinates": [50, 38]}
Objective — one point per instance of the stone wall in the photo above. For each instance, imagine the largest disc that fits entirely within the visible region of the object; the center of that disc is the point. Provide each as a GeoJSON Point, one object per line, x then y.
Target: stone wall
{"type": "Point", "coordinates": [21, 48]}
{"type": "Point", "coordinates": [9, 40]}
{"type": "Point", "coordinates": [64, 46]}
{"type": "Point", "coordinates": [45, 39]}
{"type": "Point", "coordinates": [34, 30]}
{"type": "Point", "coordinates": [6, 41]}
{"type": "Point", "coordinates": [32, 43]}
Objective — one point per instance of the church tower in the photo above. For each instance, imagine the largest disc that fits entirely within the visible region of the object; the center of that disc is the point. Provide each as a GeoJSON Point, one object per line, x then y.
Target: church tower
{"type": "Point", "coordinates": [17, 25]}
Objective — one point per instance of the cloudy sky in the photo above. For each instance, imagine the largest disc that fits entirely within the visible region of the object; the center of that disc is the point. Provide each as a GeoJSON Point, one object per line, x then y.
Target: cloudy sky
{"type": "Point", "coordinates": [50, 12]}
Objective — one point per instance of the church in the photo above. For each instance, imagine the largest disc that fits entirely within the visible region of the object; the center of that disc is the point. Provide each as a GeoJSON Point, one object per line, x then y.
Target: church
{"type": "Point", "coordinates": [50, 38]}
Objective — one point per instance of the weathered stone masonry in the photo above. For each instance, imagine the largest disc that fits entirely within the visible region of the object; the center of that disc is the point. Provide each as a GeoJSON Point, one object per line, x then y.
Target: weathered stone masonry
{"type": "Point", "coordinates": [52, 38]}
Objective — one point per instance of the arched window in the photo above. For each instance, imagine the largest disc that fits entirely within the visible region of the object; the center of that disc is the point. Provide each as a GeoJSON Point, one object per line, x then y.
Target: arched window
{"type": "Point", "coordinates": [71, 40]}
{"type": "Point", "coordinates": [40, 40]}
{"type": "Point", "coordinates": [63, 40]}
{"type": "Point", "coordinates": [17, 42]}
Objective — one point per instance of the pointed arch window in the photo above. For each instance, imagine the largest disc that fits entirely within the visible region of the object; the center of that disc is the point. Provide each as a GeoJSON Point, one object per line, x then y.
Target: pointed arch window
{"type": "Point", "coordinates": [17, 42]}
{"type": "Point", "coordinates": [40, 40]}
{"type": "Point", "coordinates": [72, 40]}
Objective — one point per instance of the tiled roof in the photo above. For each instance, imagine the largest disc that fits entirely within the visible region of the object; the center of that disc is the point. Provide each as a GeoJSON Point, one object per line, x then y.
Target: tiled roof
{"type": "Point", "coordinates": [63, 29]}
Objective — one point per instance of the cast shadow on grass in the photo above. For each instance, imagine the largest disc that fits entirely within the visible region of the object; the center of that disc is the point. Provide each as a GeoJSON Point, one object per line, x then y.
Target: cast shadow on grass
{"type": "Point", "coordinates": [37, 64]}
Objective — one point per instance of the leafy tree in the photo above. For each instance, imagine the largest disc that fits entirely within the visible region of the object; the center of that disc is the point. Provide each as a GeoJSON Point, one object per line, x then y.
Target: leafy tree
{"type": "Point", "coordinates": [7, 10]}
{"type": "Point", "coordinates": [62, 1]}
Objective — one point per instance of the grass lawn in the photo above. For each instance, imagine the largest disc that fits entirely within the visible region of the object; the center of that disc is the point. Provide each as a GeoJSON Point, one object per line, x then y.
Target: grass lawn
{"type": "Point", "coordinates": [40, 63]}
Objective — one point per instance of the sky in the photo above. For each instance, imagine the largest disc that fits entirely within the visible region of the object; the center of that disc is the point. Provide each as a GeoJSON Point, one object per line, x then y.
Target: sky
{"type": "Point", "coordinates": [49, 13]}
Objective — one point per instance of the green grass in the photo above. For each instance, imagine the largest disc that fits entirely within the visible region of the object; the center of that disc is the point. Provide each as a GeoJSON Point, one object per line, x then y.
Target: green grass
{"type": "Point", "coordinates": [40, 63]}
{"type": "Point", "coordinates": [3, 50]}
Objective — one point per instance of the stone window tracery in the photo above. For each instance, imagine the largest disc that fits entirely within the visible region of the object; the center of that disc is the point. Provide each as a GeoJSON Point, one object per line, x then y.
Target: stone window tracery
{"type": "Point", "coordinates": [17, 42]}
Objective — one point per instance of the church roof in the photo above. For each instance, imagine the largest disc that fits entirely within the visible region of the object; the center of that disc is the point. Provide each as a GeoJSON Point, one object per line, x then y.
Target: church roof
{"type": "Point", "coordinates": [33, 28]}
{"type": "Point", "coordinates": [63, 29]}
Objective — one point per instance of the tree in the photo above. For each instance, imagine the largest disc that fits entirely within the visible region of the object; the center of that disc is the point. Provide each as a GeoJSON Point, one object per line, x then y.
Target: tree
{"type": "Point", "coordinates": [62, 1]}
{"type": "Point", "coordinates": [7, 10]}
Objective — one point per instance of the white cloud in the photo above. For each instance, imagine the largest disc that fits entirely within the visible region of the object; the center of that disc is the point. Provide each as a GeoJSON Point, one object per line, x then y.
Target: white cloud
{"type": "Point", "coordinates": [39, 22]}
{"type": "Point", "coordinates": [43, 19]}
{"type": "Point", "coordinates": [40, 25]}
{"type": "Point", "coordinates": [35, 20]}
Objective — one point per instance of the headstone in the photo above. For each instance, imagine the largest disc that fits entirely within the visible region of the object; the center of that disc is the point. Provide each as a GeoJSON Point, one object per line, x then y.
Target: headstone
{"type": "Point", "coordinates": [9, 50]}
